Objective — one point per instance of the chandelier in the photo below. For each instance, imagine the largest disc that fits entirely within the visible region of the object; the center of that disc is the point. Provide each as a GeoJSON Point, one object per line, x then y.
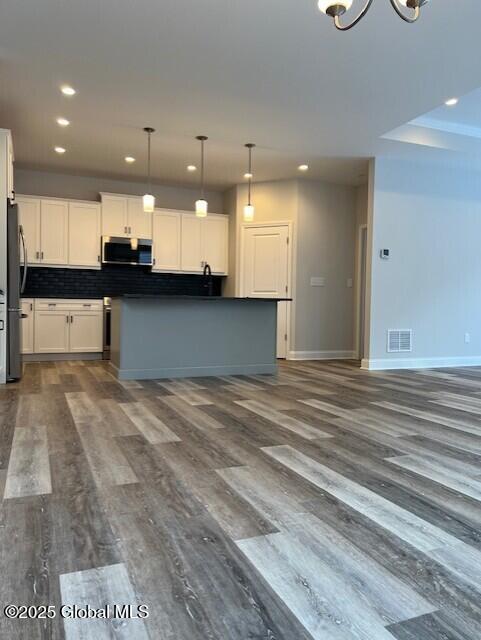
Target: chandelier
{"type": "Point", "coordinates": [337, 8]}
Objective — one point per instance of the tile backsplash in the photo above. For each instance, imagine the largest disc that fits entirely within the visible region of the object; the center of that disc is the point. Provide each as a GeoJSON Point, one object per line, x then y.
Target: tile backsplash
{"type": "Point", "coordinates": [47, 282]}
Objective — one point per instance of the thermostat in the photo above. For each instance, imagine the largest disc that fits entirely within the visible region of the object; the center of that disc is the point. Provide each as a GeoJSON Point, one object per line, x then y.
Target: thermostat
{"type": "Point", "coordinates": [384, 254]}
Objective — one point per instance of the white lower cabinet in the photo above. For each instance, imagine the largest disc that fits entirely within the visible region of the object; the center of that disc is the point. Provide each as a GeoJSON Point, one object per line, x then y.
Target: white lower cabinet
{"type": "Point", "coordinates": [86, 332]}
{"type": "Point", "coordinates": [27, 325]}
{"type": "Point", "coordinates": [51, 331]}
{"type": "Point", "coordinates": [68, 326]}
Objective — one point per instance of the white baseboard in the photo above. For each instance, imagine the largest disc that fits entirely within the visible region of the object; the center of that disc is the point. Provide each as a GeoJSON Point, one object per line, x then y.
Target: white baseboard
{"type": "Point", "coordinates": [321, 355]}
{"type": "Point", "coordinates": [419, 363]}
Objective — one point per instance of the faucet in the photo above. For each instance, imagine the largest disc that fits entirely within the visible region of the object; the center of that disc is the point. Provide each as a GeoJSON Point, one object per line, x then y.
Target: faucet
{"type": "Point", "coordinates": [208, 282]}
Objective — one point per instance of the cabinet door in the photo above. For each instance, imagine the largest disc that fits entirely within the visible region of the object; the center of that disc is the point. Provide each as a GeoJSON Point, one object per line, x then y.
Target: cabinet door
{"type": "Point", "coordinates": [54, 232]}
{"type": "Point", "coordinates": [139, 223]}
{"type": "Point", "coordinates": [191, 245]}
{"type": "Point", "coordinates": [51, 330]}
{"type": "Point", "coordinates": [166, 240]}
{"type": "Point", "coordinates": [84, 234]}
{"type": "Point", "coordinates": [29, 218]}
{"type": "Point", "coordinates": [27, 326]}
{"type": "Point", "coordinates": [114, 216]}
{"type": "Point", "coordinates": [86, 329]}
{"type": "Point", "coordinates": [214, 242]}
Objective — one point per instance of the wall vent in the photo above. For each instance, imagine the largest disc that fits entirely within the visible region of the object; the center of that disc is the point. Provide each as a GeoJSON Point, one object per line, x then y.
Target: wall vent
{"type": "Point", "coordinates": [399, 340]}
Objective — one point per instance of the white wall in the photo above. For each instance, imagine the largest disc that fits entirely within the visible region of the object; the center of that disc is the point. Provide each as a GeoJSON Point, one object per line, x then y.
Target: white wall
{"type": "Point", "coordinates": [430, 219]}
{"type": "Point", "coordinates": [60, 185]}
{"type": "Point", "coordinates": [323, 218]}
{"type": "Point", "coordinates": [325, 248]}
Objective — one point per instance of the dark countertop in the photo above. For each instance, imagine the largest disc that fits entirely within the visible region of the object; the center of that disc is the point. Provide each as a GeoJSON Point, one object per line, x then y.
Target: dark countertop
{"type": "Point", "coordinates": [140, 296]}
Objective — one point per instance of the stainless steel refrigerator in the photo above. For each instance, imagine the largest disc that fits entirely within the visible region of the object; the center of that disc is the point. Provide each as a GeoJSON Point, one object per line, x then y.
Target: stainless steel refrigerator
{"type": "Point", "coordinates": [16, 278]}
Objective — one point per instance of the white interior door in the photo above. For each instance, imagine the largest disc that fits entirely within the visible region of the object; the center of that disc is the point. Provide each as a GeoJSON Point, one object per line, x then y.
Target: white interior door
{"type": "Point", "coordinates": [265, 274]}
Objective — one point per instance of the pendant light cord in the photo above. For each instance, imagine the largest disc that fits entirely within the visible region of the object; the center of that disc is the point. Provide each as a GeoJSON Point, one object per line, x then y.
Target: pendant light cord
{"type": "Point", "coordinates": [148, 162]}
{"type": "Point", "coordinates": [250, 176]}
{"type": "Point", "coordinates": [202, 170]}
{"type": "Point", "coordinates": [250, 146]}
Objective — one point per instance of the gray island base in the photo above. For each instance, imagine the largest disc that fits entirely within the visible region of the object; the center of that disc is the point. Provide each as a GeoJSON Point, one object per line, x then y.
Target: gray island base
{"type": "Point", "coordinates": [187, 336]}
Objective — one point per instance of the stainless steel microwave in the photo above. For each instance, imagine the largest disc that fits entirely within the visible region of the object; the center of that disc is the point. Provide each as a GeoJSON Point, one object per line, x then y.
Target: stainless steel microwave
{"type": "Point", "coordinates": [134, 251]}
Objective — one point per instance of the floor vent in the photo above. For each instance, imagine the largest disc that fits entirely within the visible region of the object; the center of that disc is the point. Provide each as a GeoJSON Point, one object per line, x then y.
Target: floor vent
{"type": "Point", "coordinates": [399, 340]}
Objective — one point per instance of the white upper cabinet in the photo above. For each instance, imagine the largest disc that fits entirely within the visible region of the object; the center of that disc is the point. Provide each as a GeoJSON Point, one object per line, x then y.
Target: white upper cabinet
{"type": "Point", "coordinates": [204, 240]}
{"type": "Point", "coordinates": [139, 223]}
{"type": "Point", "coordinates": [214, 242]}
{"type": "Point", "coordinates": [191, 253]}
{"type": "Point", "coordinates": [54, 231]}
{"type": "Point", "coordinates": [124, 217]}
{"type": "Point", "coordinates": [166, 229]}
{"type": "Point", "coordinates": [29, 218]}
{"type": "Point", "coordinates": [84, 234]}
{"type": "Point", "coordinates": [114, 216]}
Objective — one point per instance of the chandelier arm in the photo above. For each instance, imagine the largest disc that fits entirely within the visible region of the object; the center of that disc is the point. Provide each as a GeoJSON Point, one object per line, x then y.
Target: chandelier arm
{"type": "Point", "coordinates": [402, 15]}
{"type": "Point", "coordinates": [346, 27]}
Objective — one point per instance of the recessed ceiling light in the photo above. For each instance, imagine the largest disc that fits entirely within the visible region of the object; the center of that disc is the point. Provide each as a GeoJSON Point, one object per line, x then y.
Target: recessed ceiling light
{"type": "Point", "coordinates": [191, 167]}
{"type": "Point", "coordinates": [60, 150]}
{"type": "Point", "coordinates": [129, 159]}
{"type": "Point", "coordinates": [63, 122]}
{"type": "Point", "coordinates": [303, 167]}
{"type": "Point", "coordinates": [248, 176]}
{"type": "Point", "coordinates": [452, 102]}
{"type": "Point", "coordinates": [67, 90]}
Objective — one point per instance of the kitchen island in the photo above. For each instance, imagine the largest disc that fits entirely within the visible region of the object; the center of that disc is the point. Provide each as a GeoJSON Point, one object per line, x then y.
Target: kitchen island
{"type": "Point", "coordinates": [185, 336]}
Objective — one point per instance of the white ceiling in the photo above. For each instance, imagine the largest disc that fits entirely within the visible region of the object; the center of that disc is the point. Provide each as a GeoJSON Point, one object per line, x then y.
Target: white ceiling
{"type": "Point", "coordinates": [273, 72]}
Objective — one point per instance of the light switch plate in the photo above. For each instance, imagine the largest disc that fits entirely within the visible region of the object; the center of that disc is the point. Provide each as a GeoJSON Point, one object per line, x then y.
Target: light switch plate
{"type": "Point", "coordinates": [318, 281]}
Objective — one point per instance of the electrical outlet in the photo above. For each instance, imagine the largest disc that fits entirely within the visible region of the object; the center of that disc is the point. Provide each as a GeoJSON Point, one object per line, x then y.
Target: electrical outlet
{"type": "Point", "coordinates": [467, 338]}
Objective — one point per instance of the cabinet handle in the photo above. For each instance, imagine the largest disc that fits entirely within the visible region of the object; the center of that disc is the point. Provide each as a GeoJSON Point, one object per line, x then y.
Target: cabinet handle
{"type": "Point", "coordinates": [31, 306]}
{"type": "Point", "coordinates": [71, 319]}
{"type": "Point", "coordinates": [66, 318]}
{"type": "Point", "coordinates": [42, 255]}
{"type": "Point", "coordinates": [125, 230]}
{"type": "Point", "coordinates": [130, 230]}
{"type": "Point", "coordinates": [153, 262]}
{"type": "Point", "coordinates": [37, 255]}
{"type": "Point", "coordinates": [98, 258]}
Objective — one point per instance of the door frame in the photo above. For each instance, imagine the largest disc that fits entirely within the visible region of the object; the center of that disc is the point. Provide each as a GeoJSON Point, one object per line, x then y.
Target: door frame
{"type": "Point", "coordinates": [290, 260]}
{"type": "Point", "coordinates": [360, 231]}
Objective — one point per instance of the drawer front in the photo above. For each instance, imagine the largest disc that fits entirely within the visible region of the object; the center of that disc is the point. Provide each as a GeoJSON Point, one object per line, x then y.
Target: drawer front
{"type": "Point", "coordinates": [59, 304]}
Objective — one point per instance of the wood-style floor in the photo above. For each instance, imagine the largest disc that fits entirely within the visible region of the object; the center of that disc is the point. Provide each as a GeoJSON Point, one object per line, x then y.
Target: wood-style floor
{"type": "Point", "coordinates": [324, 503]}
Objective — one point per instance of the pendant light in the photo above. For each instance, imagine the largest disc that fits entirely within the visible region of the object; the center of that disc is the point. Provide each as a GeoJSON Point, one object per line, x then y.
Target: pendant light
{"type": "Point", "coordinates": [249, 208]}
{"type": "Point", "coordinates": [201, 204]}
{"type": "Point", "coordinates": [148, 199]}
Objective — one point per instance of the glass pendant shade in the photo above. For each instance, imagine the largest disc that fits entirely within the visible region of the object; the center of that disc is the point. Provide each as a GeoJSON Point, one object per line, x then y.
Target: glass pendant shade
{"type": "Point", "coordinates": [149, 203]}
{"type": "Point", "coordinates": [248, 213]}
{"type": "Point", "coordinates": [325, 4]}
{"type": "Point", "coordinates": [201, 208]}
